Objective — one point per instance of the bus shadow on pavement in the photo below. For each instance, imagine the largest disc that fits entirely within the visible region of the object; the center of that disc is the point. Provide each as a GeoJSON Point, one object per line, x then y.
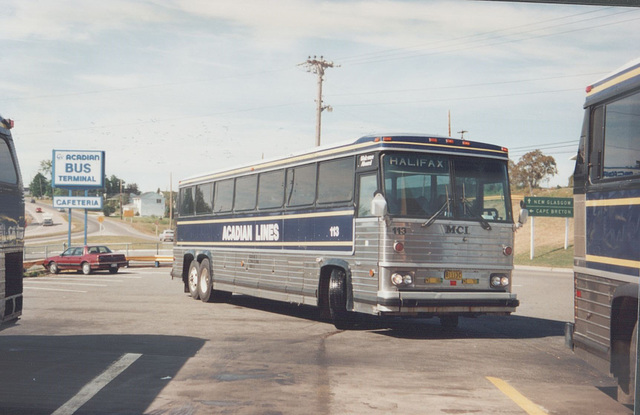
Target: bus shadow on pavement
{"type": "Point", "coordinates": [39, 374]}
{"type": "Point", "coordinates": [484, 327]}
{"type": "Point", "coordinates": [487, 327]}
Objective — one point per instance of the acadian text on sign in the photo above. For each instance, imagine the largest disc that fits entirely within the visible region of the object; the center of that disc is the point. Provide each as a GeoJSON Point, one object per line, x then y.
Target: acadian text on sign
{"type": "Point", "coordinates": [78, 168]}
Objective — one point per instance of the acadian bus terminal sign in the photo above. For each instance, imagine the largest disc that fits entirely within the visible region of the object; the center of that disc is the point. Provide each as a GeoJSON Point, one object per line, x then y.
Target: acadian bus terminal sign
{"type": "Point", "coordinates": [78, 169]}
{"type": "Point", "coordinates": [557, 207]}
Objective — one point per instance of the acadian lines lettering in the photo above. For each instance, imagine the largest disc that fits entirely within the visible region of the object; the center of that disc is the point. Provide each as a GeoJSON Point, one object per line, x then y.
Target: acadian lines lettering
{"type": "Point", "coordinates": [245, 233]}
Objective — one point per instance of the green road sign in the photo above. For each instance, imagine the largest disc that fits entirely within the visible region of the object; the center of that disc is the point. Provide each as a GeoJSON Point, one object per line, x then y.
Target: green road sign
{"type": "Point", "coordinates": [557, 207]}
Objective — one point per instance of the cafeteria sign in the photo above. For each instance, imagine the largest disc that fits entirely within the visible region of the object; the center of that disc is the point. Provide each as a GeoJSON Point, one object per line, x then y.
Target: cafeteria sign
{"type": "Point", "coordinates": [79, 169]}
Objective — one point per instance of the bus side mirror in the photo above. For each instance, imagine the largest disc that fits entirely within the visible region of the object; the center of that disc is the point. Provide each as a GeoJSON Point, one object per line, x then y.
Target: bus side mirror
{"type": "Point", "coordinates": [522, 219]}
{"type": "Point", "coordinates": [379, 205]}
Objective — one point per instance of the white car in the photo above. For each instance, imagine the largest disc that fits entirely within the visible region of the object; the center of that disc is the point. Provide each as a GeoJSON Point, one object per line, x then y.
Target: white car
{"type": "Point", "coordinates": [167, 235]}
{"type": "Point", "coordinates": [47, 220]}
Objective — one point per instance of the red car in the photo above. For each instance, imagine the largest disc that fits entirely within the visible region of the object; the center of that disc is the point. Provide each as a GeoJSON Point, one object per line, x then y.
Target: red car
{"type": "Point", "coordinates": [38, 210]}
{"type": "Point", "coordinates": [86, 259]}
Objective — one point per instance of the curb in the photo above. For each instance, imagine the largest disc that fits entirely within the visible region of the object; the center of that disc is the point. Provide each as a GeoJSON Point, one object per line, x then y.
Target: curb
{"type": "Point", "coordinates": [543, 269]}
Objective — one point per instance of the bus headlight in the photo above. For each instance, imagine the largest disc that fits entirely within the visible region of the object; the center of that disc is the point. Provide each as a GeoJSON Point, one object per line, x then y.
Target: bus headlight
{"type": "Point", "coordinates": [499, 280]}
{"type": "Point", "coordinates": [399, 279]}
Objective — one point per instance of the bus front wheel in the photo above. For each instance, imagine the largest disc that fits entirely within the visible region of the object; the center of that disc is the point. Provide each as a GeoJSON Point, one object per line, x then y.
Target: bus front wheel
{"type": "Point", "coordinates": [193, 278]}
{"type": "Point", "coordinates": [338, 299]}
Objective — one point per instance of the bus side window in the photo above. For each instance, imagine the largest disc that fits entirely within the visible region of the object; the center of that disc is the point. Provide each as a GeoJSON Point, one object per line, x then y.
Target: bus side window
{"type": "Point", "coordinates": [186, 201]}
{"type": "Point", "coordinates": [7, 166]}
{"type": "Point", "coordinates": [223, 196]}
{"type": "Point", "coordinates": [595, 148]}
{"type": "Point", "coordinates": [335, 180]}
{"type": "Point", "coordinates": [204, 198]}
{"type": "Point", "coordinates": [246, 192]}
{"type": "Point", "coordinates": [301, 185]}
{"type": "Point", "coordinates": [271, 190]}
{"type": "Point", "coordinates": [367, 186]}
{"type": "Point", "coordinates": [621, 150]}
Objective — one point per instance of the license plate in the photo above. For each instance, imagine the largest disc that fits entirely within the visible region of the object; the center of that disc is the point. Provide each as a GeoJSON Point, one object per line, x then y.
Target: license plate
{"type": "Point", "coordinates": [452, 274]}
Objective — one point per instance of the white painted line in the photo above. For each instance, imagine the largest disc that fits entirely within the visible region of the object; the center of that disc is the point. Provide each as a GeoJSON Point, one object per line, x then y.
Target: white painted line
{"type": "Point", "coordinates": [65, 283]}
{"type": "Point", "coordinates": [96, 385]}
{"type": "Point", "coordinates": [26, 287]}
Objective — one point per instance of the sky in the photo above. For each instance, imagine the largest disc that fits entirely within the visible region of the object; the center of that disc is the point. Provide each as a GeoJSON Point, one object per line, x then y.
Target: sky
{"type": "Point", "coordinates": [174, 88]}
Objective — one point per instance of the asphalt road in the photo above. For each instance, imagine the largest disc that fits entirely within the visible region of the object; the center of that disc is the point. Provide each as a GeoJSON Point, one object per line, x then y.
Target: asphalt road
{"type": "Point", "coordinates": [36, 232]}
{"type": "Point", "coordinates": [134, 343]}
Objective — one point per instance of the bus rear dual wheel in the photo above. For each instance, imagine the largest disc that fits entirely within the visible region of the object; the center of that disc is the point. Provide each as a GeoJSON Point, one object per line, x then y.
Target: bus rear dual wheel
{"type": "Point", "coordinates": [201, 284]}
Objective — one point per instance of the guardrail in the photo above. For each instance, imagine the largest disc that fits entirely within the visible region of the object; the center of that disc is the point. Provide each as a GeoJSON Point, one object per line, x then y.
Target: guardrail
{"type": "Point", "coordinates": [142, 252]}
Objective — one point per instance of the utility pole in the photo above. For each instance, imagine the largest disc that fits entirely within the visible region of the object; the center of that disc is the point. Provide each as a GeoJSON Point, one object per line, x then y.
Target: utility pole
{"type": "Point", "coordinates": [317, 66]}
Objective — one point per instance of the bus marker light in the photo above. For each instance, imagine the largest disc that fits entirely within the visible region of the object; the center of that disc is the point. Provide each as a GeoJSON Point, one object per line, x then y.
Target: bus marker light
{"type": "Point", "coordinates": [453, 282]}
{"type": "Point", "coordinates": [589, 88]}
{"type": "Point", "coordinates": [470, 281]}
{"type": "Point", "coordinates": [386, 138]}
{"type": "Point", "coordinates": [372, 273]}
{"type": "Point", "coordinates": [398, 246]}
{"type": "Point", "coordinates": [449, 141]}
{"type": "Point", "coordinates": [433, 140]}
{"type": "Point", "coordinates": [507, 250]}
{"type": "Point", "coordinates": [466, 143]}
{"type": "Point", "coordinates": [433, 280]}
{"type": "Point", "coordinates": [579, 293]}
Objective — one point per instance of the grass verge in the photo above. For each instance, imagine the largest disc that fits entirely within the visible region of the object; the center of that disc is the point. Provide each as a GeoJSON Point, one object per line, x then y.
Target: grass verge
{"type": "Point", "coordinates": [547, 256]}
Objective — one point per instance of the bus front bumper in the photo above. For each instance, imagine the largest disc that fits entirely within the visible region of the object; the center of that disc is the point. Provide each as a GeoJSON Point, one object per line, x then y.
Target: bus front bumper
{"type": "Point", "coordinates": [472, 303]}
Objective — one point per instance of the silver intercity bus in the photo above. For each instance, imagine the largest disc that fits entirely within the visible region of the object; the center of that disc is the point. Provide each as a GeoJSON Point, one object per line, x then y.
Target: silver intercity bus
{"type": "Point", "coordinates": [398, 225]}
{"type": "Point", "coordinates": [11, 227]}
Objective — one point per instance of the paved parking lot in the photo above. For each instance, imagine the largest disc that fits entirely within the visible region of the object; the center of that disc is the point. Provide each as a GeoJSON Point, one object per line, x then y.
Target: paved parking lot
{"type": "Point", "coordinates": [133, 343]}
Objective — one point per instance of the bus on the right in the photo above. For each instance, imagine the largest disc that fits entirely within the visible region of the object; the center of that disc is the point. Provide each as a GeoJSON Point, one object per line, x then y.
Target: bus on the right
{"type": "Point", "coordinates": [607, 227]}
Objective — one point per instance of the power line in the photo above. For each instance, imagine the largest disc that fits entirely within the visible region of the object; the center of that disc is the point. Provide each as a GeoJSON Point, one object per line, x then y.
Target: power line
{"type": "Point", "coordinates": [456, 47]}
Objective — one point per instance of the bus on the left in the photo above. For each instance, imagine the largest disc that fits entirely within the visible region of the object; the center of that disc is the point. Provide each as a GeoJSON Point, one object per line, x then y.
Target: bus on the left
{"type": "Point", "coordinates": [12, 225]}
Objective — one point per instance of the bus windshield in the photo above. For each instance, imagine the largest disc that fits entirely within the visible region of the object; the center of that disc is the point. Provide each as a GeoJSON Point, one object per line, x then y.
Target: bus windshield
{"type": "Point", "coordinates": [423, 185]}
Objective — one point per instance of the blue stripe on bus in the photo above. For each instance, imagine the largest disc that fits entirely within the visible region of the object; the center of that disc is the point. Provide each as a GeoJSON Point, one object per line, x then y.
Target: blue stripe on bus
{"type": "Point", "coordinates": [613, 231]}
{"type": "Point", "coordinates": [323, 231]}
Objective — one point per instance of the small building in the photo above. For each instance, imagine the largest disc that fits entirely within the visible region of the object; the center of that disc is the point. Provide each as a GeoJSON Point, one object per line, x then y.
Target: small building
{"type": "Point", "coordinates": [149, 204]}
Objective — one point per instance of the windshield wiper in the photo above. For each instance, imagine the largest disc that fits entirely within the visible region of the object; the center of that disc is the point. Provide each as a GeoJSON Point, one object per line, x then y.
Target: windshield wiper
{"type": "Point", "coordinates": [483, 222]}
{"type": "Point", "coordinates": [436, 215]}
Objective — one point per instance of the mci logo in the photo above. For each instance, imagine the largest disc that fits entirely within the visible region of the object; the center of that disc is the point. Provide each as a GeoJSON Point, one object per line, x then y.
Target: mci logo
{"type": "Point", "coordinates": [458, 230]}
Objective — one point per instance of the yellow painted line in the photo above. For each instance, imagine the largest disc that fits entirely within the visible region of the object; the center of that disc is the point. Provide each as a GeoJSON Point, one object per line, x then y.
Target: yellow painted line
{"type": "Point", "coordinates": [521, 400]}
{"type": "Point", "coordinates": [629, 201]}
{"type": "Point", "coordinates": [613, 261]}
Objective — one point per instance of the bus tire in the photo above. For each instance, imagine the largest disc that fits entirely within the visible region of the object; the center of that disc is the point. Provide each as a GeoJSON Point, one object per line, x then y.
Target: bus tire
{"type": "Point", "coordinates": [86, 268]}
{"type": "Point", "coordinates": [338, 299]}
{"type": "Point", "coordinates": [53, 268]}
{"type": "Point", "coordinates": [192, 279]}
{"type": "Point", "coordinates": [627, 384]}
{"type": "Point", "coordinates": [205, 286]}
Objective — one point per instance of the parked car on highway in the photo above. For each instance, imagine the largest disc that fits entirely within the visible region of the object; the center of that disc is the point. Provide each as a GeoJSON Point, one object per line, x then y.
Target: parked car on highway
{"type": "Point", "coordinates": [86, 259]}
{"type": "Point", "coordinates": [167, 235]}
